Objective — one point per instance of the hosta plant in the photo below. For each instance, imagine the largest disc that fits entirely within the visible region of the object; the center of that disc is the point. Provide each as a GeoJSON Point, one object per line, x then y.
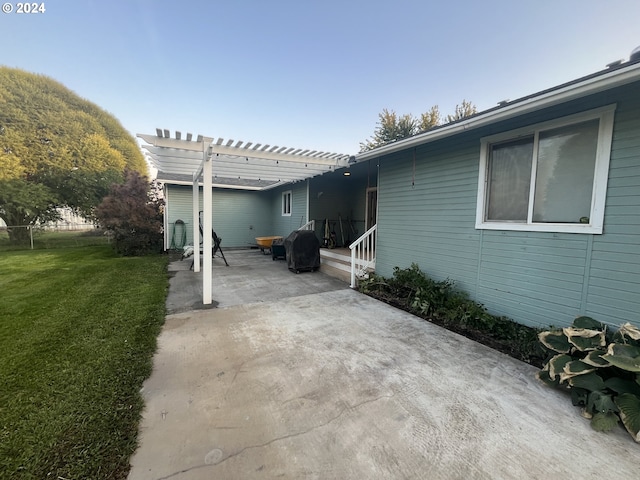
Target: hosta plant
{"type": "Point", "coordinates": [600, 368]}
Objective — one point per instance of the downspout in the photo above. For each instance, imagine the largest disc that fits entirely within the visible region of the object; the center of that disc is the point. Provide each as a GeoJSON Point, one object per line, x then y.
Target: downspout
{"type": "Point", "coordinates": [308, 197]}
{"type": "Point", "coordinates": [194, 220]}
{"type": "Point", "coordinates": [165, 222]}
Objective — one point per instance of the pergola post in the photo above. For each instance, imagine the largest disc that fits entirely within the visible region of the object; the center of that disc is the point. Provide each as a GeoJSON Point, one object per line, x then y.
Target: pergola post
{"type": "Point", "coordinates": [207, 225]}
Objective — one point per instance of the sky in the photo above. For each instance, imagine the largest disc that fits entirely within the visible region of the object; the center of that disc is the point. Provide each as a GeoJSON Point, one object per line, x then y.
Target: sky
{"type": "Point", "coordinates": [309, 73]}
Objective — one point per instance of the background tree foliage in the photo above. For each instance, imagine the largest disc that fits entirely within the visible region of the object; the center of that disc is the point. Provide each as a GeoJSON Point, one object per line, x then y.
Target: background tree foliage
{"type": "Point", "coordinates": [393, 127]}
{"type": "Point", "coordinates": [56, 149]}
{"type": "Point", "coordinates": [466, 109]}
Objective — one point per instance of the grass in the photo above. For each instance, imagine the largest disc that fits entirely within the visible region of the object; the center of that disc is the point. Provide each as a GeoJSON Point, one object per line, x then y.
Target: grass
{"type": "Point", "coordinates": [78, 329]}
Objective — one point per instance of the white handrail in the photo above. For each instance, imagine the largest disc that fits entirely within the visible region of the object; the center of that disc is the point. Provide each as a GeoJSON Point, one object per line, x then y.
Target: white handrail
{"type": "Point", "coordinates": [310, 225]}
{"type": "Point", "coordinates": [363, 253]}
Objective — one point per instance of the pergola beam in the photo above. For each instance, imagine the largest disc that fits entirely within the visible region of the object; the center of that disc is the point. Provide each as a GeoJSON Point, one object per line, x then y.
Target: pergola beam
{"type": "Point", "coordinates": [279, 153]}
{"type": "Point", "coordinates": [167, 142]}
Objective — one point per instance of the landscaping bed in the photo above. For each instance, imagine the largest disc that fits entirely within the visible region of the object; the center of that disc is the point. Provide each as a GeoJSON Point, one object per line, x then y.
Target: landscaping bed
{"type": "Point", "coordinates": [442, 304]}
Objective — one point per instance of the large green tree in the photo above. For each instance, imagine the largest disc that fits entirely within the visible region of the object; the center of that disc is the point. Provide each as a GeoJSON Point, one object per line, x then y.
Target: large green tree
{"type": "Point", "coordinates": [392, 127]}
{"type": "Point", "coordinates": [56, 149]}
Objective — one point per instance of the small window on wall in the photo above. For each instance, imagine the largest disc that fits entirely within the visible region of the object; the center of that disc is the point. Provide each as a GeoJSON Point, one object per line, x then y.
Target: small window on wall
{"type": "Point", "coordinates": [551, 177]}
{"type": "Point", "coordinates": [286, 203]}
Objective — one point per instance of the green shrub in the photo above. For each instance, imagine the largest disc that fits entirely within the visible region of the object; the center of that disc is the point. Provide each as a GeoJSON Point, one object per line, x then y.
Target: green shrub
{"type": "Point", "coordinates": [372, 284]}
{"type": "Point", "coordinates": [600, 369]}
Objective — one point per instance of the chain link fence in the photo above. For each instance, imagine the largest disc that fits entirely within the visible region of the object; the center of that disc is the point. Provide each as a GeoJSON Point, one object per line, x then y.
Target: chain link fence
{"type": "Point", "coordinates": [21, 237]}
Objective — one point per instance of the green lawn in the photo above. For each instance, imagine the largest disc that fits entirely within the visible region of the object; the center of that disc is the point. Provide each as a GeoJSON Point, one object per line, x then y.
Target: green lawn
{"type": "Point", "coordinates": [78, 329]}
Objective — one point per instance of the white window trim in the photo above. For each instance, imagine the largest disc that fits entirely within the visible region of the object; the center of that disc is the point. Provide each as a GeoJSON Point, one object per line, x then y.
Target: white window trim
{"type": "Point", "coordinates": [601, 174]}
{"type": "Point", "coordinates": [284, 196]}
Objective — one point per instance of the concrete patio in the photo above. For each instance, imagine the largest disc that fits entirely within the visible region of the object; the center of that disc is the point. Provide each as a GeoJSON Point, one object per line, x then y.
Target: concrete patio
{"type": "Point", "coordinates": [298, 376]}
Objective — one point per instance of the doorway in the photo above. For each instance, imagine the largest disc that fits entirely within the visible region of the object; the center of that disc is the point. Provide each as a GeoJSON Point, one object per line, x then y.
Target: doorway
{"type": "Point", "coordinates": [371, 209]}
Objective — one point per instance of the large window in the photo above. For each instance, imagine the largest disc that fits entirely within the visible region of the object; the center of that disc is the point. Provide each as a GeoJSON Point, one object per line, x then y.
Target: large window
{"type": "Point", "coordinates": [551, 177]}
{"type": "Point", "coordinates": [286, 203]}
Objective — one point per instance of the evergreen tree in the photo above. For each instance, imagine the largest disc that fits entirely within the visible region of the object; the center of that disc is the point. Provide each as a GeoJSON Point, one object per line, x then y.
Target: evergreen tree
{"type": "Point", "coordinates": [462, 111]}
{"type": "Point", "coordinates": [391, 127]}
{"type": "Point", "coordinates": [429, 119]}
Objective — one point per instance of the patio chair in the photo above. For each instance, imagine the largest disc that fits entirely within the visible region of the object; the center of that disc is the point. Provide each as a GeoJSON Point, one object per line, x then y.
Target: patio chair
{"type": "Point", "coordinates": [216, 248]}
{"type": "Point", "coordinates": [216, 244]}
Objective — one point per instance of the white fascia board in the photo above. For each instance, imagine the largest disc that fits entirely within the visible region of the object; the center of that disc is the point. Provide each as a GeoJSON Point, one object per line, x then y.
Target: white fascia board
{"type": "Point", "coordinates": [264, 177]}
{"type": "Point", "coordinates": [173, 143]}
{"type": "Point", "coordinates": [590, 86]}
{"type": "Point", "coordinates": [173, 153]}
{"type": "Point", "coordinates": [214, 185]}
{"type": "Point", "coordinates": [176, 166]}
{"type": "Point", "coordinates": [264, 173]}
{"type": "Point", "coordinates": [275, 185]}
{"type": "Point", "coordinates": [319, 158]}
{"type": "Point", "coordinates": [223, 185]}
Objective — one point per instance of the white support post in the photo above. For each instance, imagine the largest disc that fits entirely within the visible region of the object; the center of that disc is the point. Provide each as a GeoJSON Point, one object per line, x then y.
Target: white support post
{"type": "Point", "coordinates": [195, 219]}
{"type": "Point", "coordinates": [207, 226]}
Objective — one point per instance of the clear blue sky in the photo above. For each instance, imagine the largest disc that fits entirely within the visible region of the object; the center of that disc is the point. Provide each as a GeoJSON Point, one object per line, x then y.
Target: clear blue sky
{"type": "Point", "coordinates": [310, 73]}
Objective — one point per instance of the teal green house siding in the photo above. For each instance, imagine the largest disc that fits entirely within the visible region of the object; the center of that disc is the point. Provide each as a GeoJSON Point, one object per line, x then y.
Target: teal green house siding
{"type": "Point", "coordinates": [239, 216]}
{"type": "Point", "coordinates": [426, 215]}
{"type": "Point", "coordinates": [613, 287]}
{"type": "Point", "coordinates": [283, 225]}
{"type": "Point", "coordinates": [177, 207]}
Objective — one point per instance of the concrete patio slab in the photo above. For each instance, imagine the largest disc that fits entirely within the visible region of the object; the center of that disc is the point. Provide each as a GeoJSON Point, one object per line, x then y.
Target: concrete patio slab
{"type": "Point", "coordinates": [250, 277]}
{"type": "Point", "coordinates": [334, 384]}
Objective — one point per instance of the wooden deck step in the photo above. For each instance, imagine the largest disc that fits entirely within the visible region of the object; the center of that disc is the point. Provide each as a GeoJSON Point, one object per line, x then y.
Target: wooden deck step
{"type": "Point", "coordinates": [336, 263]}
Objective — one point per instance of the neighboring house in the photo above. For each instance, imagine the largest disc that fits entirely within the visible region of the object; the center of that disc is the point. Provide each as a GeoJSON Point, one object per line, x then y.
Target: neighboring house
{"type": "Point", "coordinates": [69, 220]}
{"type": "Point", "coordinates": [532, 207]}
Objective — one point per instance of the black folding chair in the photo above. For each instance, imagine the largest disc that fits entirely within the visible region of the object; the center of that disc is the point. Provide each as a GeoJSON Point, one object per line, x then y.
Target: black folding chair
{"type": "Point", "coordinates": [216, 243]}
{"type": "Point", "coordinates": [217, 248]}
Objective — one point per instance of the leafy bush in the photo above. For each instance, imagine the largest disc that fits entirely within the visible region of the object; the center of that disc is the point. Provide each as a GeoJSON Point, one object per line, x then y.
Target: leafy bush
{"type": "Point", "coordinates": [132, 214]}
{"type": "Point", "coordinates": [422, 293]}
{"type": "Point", "coordinates": [441, 303]}
{"type": "Point", "coordinates": [601, 370]}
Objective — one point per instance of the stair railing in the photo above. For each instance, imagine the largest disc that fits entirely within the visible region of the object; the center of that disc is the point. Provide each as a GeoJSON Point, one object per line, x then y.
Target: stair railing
{"type": "Point", "coordinates": [363, 254]}
{"type": "Point", "coordinates": [310, 225]}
